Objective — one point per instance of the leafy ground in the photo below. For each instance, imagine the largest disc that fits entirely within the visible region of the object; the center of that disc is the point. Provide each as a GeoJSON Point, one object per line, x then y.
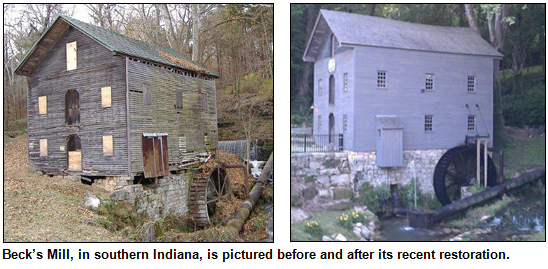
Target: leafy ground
{"type": "Point", "coordinates": [45, 209]}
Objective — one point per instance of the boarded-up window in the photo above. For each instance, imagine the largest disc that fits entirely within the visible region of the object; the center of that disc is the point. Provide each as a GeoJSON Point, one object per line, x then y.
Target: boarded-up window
{"type": "Point", "coordinates": [179, 100]}
{"type": "Point", "coordinates": [43, 147]}
{"type": "Point", "coordinates": [108, 145]}
{"type": "Point", "coordinates": [147, 99]}
{"type": "Point", "coordinates": [42, 105]}
{"type": "Point", "coordinates": [71, 56]}
{"type": "Point", "coordinates": [72, 107]}
{"type": "Point", "coordinates": [106, 96]}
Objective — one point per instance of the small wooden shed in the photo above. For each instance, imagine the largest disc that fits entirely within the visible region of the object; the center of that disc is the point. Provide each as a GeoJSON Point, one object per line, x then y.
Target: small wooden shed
{"type": "Point", "coordinates": [103, 104]}
{"type": "Point", "coordinates": [389, 141]}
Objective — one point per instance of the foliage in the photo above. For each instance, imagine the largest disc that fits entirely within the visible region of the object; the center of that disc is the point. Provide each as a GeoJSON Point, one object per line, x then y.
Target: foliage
{"type": "Point", "coordinates": [525, 151]}
{"type": "Point", "coordinates": [373, 197]}
{"type": "Point", "coordinates": [357, 216]}
{"type": "Point", "coordinates": [528, 108]}
{"type": "Point", "coordinates": [345, 220]}
{"type": "Point", "coordinates": [424, 201]}
{"type": "Point", "coordinates": [313, 228]}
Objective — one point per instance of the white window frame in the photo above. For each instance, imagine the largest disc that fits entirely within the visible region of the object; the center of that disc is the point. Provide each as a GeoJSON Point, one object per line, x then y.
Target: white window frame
{"type": "Point", "coordinates": [381, 79]}
{"type": "Point", "coordinates": [426, 80]}
{"type": "Point", "coordinates": [345, 82]}
{"type": "Point", "coordinates": [471, 124]}
{"type": "Point", "coordinates": [429, 123]}
{"type": "Point", "coordinates": [471, 87]}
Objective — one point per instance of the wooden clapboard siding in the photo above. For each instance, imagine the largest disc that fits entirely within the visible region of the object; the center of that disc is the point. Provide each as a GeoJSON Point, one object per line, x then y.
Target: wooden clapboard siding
{"type": "Point", "coordinates": [97, 67]}
{"type": "Point", "coordinates": [162, 116]}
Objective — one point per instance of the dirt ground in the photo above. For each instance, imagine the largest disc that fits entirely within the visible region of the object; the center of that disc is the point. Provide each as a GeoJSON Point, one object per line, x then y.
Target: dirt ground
{"type": "Point", "coordinates": [46, 209]}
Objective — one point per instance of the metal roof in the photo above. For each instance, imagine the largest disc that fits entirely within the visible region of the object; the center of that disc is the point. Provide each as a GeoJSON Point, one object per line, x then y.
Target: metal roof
{"type": "Point", "coordinates": [117, 43]}
{"type": "Point", "coordinates": [389, 122]}
{"type": "Point", "coordinates": [354, 29]}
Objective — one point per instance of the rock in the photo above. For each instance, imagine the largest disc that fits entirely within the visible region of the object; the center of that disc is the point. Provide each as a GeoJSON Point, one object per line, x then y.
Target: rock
{"type": "Point", "coordinates": [372, 226]}
{"type": "Point", "coordinates": [309, 193]}
{"type": "Point", "coordinates": [148, 232]}
{"type": "Point", "coordinates": [92, 202]}
{"type": "Point", "coordinates": [447, 231]}
{"type": "Point", "coordinates": [298, 215]}
{"type": "Point", "coordinates": [357, 231]}
{"type": "Point", "coordinates": [505, 197]}
{"type": "Point", "coordinates": [340, 193]}
{"type": "Point", "coordinates": [358, 224]}
{"type": "Point", "coordinates": [339, 205]}
{"type": "Point", "coordinates": [325, 194]}
{"type": "Point", "coordinates": [486, 218]}
{"type": "Point", "coordinates": [343, 179]}
{"type": "Point", "coordinates": [365, 233]}
{"type": "Point", "coordinates": [455, 230]}
{"type": "Point", "coordinates": [456, 238]}
{"type": "Point", "coordinates": [326, 238]}
{"type": "Point", "coordinates": [340, 237]}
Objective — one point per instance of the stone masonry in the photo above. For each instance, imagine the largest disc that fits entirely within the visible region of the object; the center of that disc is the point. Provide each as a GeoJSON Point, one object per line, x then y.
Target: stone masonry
{"type": "Point", "coordinates": [169, 197]}
{"type": "Point", "coordinates": [335, 178]}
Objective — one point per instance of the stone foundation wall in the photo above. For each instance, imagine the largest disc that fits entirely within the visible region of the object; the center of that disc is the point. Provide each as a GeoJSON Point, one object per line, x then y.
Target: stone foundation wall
{"type": "Point", "coordinates": [334, 178]}
{"type": "Point", "coordinates": [169, 197]}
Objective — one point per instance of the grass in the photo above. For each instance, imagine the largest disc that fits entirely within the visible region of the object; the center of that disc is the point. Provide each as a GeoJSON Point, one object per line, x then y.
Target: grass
{"type": "Point", "coordinates": [47, 209]}
{"type": "Point", "coordinates": [540, 236]}
{"type": "Point", "coordinates": [508, 74]}
{"type": "Point", "coordinates": [474, 215]}
{"type": "Point", "coordinates": [329, 223]}
{"type": "Point", "coordinates": [526, 151]}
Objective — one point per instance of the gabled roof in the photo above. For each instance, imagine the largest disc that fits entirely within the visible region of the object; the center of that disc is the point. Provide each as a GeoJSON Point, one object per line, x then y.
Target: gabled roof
{"type": "Point", "coordinates": [111, 40]}
{"type": "Point", "coordinates": [354, 29]}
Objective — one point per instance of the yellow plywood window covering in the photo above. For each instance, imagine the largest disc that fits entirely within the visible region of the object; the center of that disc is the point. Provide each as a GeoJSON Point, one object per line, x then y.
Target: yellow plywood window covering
{"type": "Point", "coordinates": [43, 147]}
{"type": "Point", "coordinates": [75, 160]}
{"type": "Point", "coordinates": [42, 105]}
{"type": "Point", "coordinates": [106, 96]}
{"type": "Point", "coordinates": [108, 145]}
{"type": "Point", "coordinates": [71, 56]}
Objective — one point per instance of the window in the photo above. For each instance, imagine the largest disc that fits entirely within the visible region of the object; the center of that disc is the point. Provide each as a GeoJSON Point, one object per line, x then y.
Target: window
{"type": "Point", "coordinates": [108, 145]}
{"type": "Point", "coordinates": [72, 107]}
{"type": "Point", "coordinates": [71, 56]}
{"type": "Point", "coordinates": [42, 105]}
{"type": "Point", "coordinates": [345, 123]}
{"type": "Point", "coordinates": [471, 123]}
{"type": "Point", "coordinates": [179, 99]}
{"type": "Point", "coordinates": [319, 123]}
{"type": "Point", "coordinates": [106, 97]}
{"type": "Point", "coordinates": [43, 147]}
{"type": "Point", "coordinates": [320, 90]}
{"type": "Point", "coordinates": [428, 123]}
{"type": "Point", "coordinates": [429, 85]}
{"type": "Point", "coordinates": [471, 84]}
{"type": "Point", "coordinates": [147, 99]}
{"type": "Point", "coordinates": [381, 79]}
{"type": "Point", "coordinates": [345, 82]}
{"type": "Point", "coordinates": [332, 47]}
{"type": "Point", "coordinates": [331, 90]}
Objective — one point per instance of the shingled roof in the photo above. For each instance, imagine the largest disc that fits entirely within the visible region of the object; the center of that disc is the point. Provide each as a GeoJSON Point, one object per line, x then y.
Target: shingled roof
{"type": "Point", "coordinates": [354, 29]}
{"type": "Point", "coordinates": [111, 40]}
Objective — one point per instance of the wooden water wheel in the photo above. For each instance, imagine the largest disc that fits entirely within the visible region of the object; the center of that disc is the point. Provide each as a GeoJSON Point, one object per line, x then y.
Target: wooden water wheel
{"type": "Point", "coordinates": [209, 186]}
{"type": "Point", "coordinates": [456, 169]}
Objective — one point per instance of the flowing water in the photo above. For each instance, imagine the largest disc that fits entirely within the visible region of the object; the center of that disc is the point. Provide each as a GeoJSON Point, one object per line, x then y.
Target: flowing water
{"type": "Point", "coordinates": [239, 147]}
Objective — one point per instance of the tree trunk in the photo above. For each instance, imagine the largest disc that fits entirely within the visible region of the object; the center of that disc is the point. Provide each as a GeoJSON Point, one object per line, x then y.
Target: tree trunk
{"type": "Point", "coordinates": [471, 16]}
{"type": "Point", "coordinates": [372, 9]}
{"type": "Point", "coordinates": [499, 135]}
{"type": "Point", "coordinates": [195, 32]}
{"type": "Point", "coordinates": [304, 87]}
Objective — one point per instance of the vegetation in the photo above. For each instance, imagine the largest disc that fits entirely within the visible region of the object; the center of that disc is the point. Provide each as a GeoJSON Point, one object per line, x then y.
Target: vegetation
{"type": "Point", "coordinates": [374, 197]}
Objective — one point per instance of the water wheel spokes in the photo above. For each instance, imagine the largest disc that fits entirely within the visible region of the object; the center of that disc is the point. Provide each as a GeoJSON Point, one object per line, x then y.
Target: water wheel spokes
{"type": "Point", "coordinates": [456, 169]}
{"type": "Point", "coordinates": [207, 189]}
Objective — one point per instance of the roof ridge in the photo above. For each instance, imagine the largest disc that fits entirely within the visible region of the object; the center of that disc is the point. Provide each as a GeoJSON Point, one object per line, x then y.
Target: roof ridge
{"type": "Point", "coordinates": [393, 20]}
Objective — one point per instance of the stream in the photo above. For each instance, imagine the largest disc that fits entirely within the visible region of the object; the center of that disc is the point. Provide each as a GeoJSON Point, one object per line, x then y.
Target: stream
{"type": "Point", "coordinates": [520, 220]}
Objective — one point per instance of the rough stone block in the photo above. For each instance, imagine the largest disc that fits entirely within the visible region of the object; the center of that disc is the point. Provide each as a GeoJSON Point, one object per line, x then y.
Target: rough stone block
{"type": "Point", "coordinates": [343, 179]}
{"type": "Point", "coordinates": [340, 193]}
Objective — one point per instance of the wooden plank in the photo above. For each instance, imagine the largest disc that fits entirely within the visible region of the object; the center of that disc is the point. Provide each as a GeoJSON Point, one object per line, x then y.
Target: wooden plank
{"type": "Point", "coordinates": [42, 105]}
{"type": "Point", "coordinates": [72, 56]}
{"type": "Point", "coordinates": [108, 145]}
{"type": "Point", "coordinates": [106, 96]}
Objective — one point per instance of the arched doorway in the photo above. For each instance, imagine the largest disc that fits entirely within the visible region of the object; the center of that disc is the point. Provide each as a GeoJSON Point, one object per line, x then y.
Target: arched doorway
{"type": "Point", "coordinates": [74, 153]}
{"type": "Point", "coordinates": [331, 90]}
{"type": "Point", "coordinates": [72, 107]}
{"type": "Point", "coordinates": [331, 128]}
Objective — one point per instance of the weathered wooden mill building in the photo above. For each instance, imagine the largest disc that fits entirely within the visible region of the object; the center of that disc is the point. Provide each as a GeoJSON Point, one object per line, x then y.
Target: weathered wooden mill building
{"type": "Point", "coordinates": [103, 104]}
